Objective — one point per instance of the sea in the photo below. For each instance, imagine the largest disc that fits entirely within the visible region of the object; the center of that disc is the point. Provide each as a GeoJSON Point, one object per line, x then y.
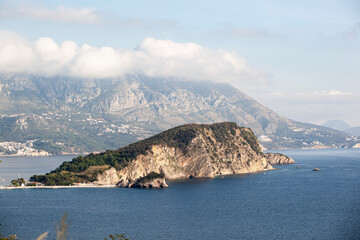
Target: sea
{"type": "Point", "coordinates": [292, 202]}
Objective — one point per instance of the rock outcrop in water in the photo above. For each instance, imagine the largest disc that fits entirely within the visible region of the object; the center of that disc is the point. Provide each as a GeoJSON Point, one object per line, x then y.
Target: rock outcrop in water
{"type": "Point", "coordinates": [278, 159]}
{"type": "Point", "coordinates": [152, 180]}
{"type": "Point", "coordinates": [187, 151]}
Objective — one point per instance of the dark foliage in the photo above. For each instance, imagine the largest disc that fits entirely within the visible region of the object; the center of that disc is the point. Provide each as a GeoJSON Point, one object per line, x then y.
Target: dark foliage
{"type": "Point", "coordinates": [50, 179]}
{"type": "Point", "coordinates": [17, 182]}
{"type": "Point", "coordinates": [249, 136]}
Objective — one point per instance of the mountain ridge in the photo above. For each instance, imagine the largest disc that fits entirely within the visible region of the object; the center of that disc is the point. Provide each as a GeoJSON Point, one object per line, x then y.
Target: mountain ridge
{"type": "Point", "coordinates": [116, 112]}
{"type": "Point", "coordinates": [343, 126]}
{"type": "Point", "coordinates": [337, 125]}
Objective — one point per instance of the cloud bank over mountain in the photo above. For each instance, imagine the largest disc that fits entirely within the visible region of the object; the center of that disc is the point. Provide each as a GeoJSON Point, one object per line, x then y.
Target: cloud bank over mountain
{"type": "Point", "coordinates": [152, 57]}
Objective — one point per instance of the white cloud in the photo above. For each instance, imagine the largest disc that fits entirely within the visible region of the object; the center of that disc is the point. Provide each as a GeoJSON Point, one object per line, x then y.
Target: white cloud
{"type": "Point", "coordinates": [153, 57]}
{"type": "Point", "coordinates": [324, 93]}
{"type": "Point", "coordinates": [332, 92]}
{"type": "Point", "coordinates": [15, 53]}
{"type": "Point", "coordinates": [24, 10]}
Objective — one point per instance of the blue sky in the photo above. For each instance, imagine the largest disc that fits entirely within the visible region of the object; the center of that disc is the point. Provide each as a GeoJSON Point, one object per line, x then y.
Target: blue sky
{"type": "Point", "coordinates": [300, 58]}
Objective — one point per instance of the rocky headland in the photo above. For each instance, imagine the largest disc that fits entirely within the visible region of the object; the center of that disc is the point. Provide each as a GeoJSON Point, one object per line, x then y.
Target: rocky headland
{"type": "Point", "coordinates": [187, 151]}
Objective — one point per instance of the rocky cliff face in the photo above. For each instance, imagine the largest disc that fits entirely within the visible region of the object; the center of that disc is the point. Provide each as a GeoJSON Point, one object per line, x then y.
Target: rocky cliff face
{"type": "Point", "coordinates": [205, 157]}
{"type": "Point", "coordinates": [108, 177]}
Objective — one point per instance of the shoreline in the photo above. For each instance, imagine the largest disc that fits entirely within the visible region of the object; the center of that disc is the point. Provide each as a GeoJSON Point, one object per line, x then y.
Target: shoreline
{"type": "Point", "coordinates": [57, 187]}
{"type": "Point", "coordinates": [89, 185]}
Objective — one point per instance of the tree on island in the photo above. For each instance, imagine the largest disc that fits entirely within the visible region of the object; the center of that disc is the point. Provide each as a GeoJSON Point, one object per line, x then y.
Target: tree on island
{"type": "Point", "coordinates": [18, 182]}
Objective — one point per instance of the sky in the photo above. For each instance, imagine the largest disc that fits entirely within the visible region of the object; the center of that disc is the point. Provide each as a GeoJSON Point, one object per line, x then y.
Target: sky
{"type": "Point", "coordinates": [299, 58]}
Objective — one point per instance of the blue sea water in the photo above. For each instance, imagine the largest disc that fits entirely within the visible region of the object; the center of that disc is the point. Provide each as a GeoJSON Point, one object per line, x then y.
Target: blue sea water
{"type": "Point", "coordinates": [289, 203]}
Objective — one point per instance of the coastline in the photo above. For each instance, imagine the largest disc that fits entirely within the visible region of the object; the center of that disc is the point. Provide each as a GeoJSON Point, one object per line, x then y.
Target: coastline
{"type": "Point", "coordinates": [95, 152]}
{"type": "Point", "coordinates": [57, 187]}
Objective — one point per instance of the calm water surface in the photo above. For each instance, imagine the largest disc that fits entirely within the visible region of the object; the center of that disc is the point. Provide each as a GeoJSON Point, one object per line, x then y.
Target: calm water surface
{"type": "Point", "coordinates": [290, 203]}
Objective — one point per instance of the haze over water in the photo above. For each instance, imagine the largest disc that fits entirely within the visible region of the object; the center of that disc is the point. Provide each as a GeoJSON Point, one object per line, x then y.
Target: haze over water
{"type": "Point", "coordinates": [289, 203]}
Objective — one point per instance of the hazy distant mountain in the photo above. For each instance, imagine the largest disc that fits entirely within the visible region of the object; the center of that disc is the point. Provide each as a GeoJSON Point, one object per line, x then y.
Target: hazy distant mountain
{"type": "Point", "coordinates": [336, 124]}
{"type": "Point", "coordinates": [342, 126]}
{"type": "Point", "coordinates": [88, 115]}
{"type": "Point", "coordinates": [354, 131]}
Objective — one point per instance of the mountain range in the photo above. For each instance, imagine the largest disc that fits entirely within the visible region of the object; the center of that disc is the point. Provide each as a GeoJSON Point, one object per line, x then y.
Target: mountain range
{"type": "Point", "coordinates": [342, 126]}
{"type": "Point", "coordinates": [64, 114]}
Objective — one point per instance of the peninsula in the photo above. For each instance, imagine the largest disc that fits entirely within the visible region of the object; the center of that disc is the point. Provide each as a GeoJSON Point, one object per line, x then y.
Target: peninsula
{"type": "Point", "coordinates": [187, 151]}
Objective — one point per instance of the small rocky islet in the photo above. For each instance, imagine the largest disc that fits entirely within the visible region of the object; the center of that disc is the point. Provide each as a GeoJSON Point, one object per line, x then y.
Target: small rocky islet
{"type": "Point", "coordinates": [187, 151]}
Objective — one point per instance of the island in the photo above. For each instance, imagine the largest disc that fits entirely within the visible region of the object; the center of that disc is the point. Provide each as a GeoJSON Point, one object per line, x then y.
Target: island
{"type": "Point", "coordinates": [186, 151]}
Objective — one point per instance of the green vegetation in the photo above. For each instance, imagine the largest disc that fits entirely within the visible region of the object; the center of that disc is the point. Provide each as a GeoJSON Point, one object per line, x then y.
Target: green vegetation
{"type": "Point", "coordinates": [30, 184]}
{"type": "Point", "coordinates": [222, 130]}
{"type": "Point", "coordinates": [50, 179]}
{"type": "Point", "coordinates": [17, 182]}
{"type": "Point", "coordinates": [249, 136]}
{"type": "Point", "coordinates": [66, 178]}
